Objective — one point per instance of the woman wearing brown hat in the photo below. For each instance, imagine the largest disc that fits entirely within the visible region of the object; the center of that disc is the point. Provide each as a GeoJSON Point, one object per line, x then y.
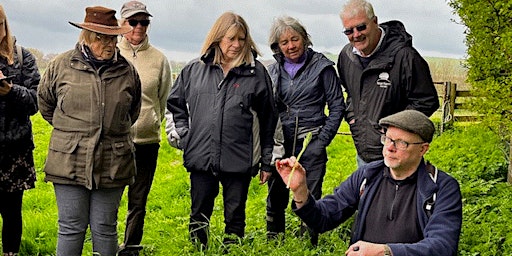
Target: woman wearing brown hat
{"type": "Point", "coordinates": [91, 97]}
{"type": "Point", "coordinates": [19, 78]}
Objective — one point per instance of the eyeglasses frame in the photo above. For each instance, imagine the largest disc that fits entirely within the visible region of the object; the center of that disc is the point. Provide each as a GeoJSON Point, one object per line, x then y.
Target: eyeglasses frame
{"type": "Point", "coordinates": [396, 143]}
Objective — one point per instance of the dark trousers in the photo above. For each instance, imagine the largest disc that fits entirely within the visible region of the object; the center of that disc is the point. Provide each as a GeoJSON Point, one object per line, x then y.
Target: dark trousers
{"type": "Point", "coordinates": [10, 209]}
{"type": "Point", "coordinates": [204, 189]}
{"type": "Point", "coordinates": [314, 161]}
{"type": "Point", "coordinates": [145, 159]}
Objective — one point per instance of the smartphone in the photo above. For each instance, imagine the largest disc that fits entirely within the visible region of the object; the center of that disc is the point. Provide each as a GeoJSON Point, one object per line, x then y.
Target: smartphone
{"type": "Point", "coordinates": [8, 78]}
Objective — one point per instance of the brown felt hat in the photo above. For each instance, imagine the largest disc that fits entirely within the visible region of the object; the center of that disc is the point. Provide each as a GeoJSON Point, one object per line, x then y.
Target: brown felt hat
{"type": "Point", "coordinates": [411, 121]}
{"type": "Point", "coordinates": [102, 20]}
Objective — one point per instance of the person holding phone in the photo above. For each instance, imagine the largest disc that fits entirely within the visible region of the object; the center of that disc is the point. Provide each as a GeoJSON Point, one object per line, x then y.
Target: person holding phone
{"type": "Point", "coordinates": [19, 77]}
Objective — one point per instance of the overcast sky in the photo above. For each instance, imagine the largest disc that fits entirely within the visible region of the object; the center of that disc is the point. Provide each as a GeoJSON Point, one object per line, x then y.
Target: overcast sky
{"type": "Point", "coordinates": [179, 27]}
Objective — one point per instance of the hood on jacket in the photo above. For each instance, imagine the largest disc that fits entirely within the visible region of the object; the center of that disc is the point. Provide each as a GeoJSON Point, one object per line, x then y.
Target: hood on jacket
{"type": "Point", "coordinates": [396, 37]}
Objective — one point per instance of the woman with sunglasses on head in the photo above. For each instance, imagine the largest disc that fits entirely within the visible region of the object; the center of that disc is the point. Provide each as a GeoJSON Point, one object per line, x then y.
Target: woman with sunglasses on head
{"type": "Point", "coordinates": [305, 82]}
{"type": "Point", "coordinates": [19, 77]}
{"type": "Point", "coordinates": [91, 96]}
{"type": "Point", "coordinates": [382, 74]}
{"type": "Point", "coordinates": [155, 75]}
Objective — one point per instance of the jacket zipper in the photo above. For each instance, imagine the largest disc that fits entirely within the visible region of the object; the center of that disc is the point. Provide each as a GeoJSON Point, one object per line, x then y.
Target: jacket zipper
{"type": "Point", "coordinates": [390, 215]}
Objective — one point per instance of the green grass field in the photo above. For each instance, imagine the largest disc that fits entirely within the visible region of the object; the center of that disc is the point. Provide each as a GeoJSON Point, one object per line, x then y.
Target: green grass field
{"type": "Point", "coordinates": [166, 229]}
{"type": "Point", "coordinates": [469, 153]}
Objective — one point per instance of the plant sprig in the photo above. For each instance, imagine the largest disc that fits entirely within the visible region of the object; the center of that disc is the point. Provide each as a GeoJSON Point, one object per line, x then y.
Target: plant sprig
{"type": "Point", "coordinates": [305, 143]}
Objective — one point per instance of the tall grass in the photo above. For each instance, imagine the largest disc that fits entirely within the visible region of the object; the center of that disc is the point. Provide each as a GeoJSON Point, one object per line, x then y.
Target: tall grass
{"type": "Point", "coordinates": [166, 227]}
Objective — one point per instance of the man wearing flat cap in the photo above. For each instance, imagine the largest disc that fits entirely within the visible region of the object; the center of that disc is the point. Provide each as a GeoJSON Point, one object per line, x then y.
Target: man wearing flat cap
{"type": "Point", "coordinates": [404, 205]}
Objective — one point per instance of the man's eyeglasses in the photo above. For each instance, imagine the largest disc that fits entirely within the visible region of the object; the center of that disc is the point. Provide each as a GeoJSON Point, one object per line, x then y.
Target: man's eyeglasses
{"type": "Point", "coordinates": [359, 28]}
{"type": "Point", "coordinates": [106, 39]}
{"type": "Point", "coordinates": [134, 23]}
{"type": "Point", "coordinates": [399, 144]}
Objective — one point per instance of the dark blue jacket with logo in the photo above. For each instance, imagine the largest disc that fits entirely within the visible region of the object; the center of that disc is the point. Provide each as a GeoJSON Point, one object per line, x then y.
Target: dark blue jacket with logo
{"type": "Point", "coordinates": [396, 78]}
{"type": "Point", "coordinates": [439, 207]}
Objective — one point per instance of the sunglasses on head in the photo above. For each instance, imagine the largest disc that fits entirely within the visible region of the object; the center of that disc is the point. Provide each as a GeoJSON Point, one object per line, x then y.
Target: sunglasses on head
{"type": "Point", "coordinates": [134, 23]}
{"type": "Point", "coordinates": [359, 28]}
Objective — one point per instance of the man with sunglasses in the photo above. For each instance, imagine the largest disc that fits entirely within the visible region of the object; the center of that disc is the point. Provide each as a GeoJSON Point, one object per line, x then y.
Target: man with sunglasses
{"type": "Point", "coordinates": [382, 74]}
{"type": "Point", "coordinates": [155, 75]}
{"type": "Point", "coordinates": [404, 205]}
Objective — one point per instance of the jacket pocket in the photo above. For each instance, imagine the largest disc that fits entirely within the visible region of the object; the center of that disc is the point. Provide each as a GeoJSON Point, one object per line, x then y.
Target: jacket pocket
{"type": "Point", "coordinates": [62, 159]}
{"type": "Point", "coordinates": [122, 164]}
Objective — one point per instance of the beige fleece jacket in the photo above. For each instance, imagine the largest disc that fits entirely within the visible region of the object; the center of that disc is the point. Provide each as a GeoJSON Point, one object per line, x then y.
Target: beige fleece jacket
{"type": "Point", "coordinates": [155, 75]}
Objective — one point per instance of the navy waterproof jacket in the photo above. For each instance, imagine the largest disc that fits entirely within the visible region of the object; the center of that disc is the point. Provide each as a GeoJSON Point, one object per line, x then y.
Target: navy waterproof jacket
{"type": "Point", "coordinates": [439, 207]}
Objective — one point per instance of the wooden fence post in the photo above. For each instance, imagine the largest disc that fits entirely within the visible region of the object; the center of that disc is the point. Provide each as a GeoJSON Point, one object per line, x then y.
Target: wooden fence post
{"type": "Point", "coordinates": [450, 93]}
{"type": "Point", "coordinates": [453, 96]}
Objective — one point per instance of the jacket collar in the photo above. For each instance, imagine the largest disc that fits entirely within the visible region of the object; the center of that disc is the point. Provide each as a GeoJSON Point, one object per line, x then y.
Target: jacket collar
{"type": "Point", "coordinates": [426, 182]}
{"type": "Point", "coordinates": [144, 45]}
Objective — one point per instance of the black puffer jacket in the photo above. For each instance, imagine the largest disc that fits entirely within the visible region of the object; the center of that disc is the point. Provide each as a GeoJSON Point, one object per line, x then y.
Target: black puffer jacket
{"type": "Point", "coordinates": [19, 104]}
{"type": "Point", "coordinates": [396, 78]}
{"type": "Point", "coordinates": [226, 124]}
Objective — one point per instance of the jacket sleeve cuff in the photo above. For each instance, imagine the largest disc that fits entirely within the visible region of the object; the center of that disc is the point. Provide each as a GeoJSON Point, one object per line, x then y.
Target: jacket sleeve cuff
{"type": "Point", "coordinates": [267, 168]}
{"type": "Point", "coordinates": [307, 207]}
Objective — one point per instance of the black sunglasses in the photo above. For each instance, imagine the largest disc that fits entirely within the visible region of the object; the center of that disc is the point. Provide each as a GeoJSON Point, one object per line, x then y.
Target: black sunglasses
{"type": "Point", "coordinates": [359, 28]}
{"type": "Point", "coordinates": [134, 23]}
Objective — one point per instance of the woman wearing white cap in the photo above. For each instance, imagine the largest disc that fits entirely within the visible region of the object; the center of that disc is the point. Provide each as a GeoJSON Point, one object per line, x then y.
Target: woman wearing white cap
{"type": "Point", "coordinates": [155, 75]}
{"type": "Point", "coordinates": [91, 97]}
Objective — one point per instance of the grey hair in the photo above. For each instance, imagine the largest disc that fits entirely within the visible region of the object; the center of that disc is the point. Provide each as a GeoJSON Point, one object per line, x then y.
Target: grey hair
{"type": "Point", "coordinates": [354, 7]}
{"type": "Point", "coordinates": [280, 25]}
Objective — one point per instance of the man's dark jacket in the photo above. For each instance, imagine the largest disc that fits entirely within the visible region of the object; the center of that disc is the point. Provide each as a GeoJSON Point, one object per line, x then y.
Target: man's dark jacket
{"type": "Point", "coordinates": [396, 78]}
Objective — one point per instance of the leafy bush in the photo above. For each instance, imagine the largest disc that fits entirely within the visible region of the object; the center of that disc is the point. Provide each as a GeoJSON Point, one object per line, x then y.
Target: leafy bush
{"type": "Point", "coordinates": [475, 157]}
{"type": "Point", "coordinates": [470, 152]}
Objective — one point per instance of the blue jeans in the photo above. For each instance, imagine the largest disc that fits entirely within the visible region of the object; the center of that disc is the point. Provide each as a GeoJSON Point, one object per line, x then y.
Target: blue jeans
{"type": "Point", "coordinates": [79, 207]}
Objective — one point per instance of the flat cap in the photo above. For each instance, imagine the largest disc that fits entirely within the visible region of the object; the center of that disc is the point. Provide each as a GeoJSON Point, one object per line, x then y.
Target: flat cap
{"type": "Point", "coordinates": [411, 121]}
